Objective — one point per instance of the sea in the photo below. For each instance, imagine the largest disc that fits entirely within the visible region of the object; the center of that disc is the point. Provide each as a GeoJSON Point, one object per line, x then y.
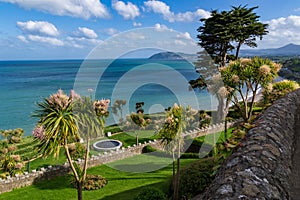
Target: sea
{"type": "Point", "coordinates": [157, 83]}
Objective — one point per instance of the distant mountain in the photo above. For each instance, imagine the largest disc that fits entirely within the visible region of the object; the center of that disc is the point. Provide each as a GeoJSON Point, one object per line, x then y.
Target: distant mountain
{"type": "Point", "coordinates": [287, 50]}
{"type": "Point", "coordinates": [173, 56]}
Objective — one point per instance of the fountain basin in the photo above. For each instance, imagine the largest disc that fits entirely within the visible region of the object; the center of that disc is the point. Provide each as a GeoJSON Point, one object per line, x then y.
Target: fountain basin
{"type": "Point", "coordinates": [107, 145]}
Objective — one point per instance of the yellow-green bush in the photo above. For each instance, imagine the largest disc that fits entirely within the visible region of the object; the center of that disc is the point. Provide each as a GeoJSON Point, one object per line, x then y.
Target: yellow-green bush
{"type": "Point", "coordinates": [278, 90]}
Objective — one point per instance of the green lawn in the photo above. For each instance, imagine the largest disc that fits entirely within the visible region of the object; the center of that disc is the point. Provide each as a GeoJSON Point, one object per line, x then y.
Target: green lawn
{"type": "Point", "coordinates": [128, 139]}
{"type": "Point", "coordinates": [50, 160]}
{"type": "Point", "coordinates": [121, 185]}
{"type": "Point", "coordinates": [212, 138]}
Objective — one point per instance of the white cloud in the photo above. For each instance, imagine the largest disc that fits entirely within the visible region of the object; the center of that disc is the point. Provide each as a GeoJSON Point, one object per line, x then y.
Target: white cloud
{"type": "Point", "coordinates": [135, 36]}
{"type": "Point", "coordinates": [85, 33]}
{"type": "Point", "coordinates": [282, 31]}
{"type": "Point", "coordinates": [184, 39]}
{"type": "Point", "coordinates": [137, 24]}
{"type": "Point", "coordinates": [158, 7]}
{"type": "Point", "coordinates": [82, 42]}
{"type": "Point", "coordinates": [82, 9]}
{"type": "Point", "coordinates": [39, 31]}
{"type": "Point", "coordinates": [38, 28]}
{"type": "Point", "coordinates": [159, 37]}
{"type": "Point", "coordinates": [185, 35]}
{"type": "Point", "coordinates": [162, 8]}
{"type": "Point", "coordinates": [161, 27]}
{"type": "Point", "coordinates": [111, 31]}
{"type": "Point", "coordinates": [49, 40]}
{"type": "Point", "coordinates": [22, 38]}
{"type": "Point", "coordinates": [202, 13]}
{"type": "Point", "coordinates": [180, 42]}
{"type": "Point", "coordinates": [128, 11]}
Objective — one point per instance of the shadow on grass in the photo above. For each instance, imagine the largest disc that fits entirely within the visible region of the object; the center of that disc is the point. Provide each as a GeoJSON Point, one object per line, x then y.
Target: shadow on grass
{"type": "Point", "coordinates": [136, 178]}
{"type": "Point", "coordinates": [139, 167]}
{"type": "Point", "coordinates": [131, 194]}
{"type": "Point", "coordinates": [60, 182]}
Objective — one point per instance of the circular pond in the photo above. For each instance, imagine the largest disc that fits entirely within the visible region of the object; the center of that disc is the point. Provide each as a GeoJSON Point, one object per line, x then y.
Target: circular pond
{"type": "Point", "coordinates": [107, 145]}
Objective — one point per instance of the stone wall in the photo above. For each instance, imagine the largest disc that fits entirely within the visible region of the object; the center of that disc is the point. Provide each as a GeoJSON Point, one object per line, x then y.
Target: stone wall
{"type": "Point", "coordinates": [262, 168]}
{"type": "Point", "coordinates": [27, 179]}
{"type": "Point", "coordinates": [35, 176]}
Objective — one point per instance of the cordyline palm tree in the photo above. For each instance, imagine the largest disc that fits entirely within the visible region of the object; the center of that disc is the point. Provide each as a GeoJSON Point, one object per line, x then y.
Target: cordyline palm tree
{"type": "Point", "coordinates": [62, 119]}
{"type": "Point", "coordinates": [245, 77]}
{"type": "Point", "coordinates": [89, 127]}
{"type": "Point", "coordinates": [172, 139]}
{"type": "Point", "coordinates": [139, 119]}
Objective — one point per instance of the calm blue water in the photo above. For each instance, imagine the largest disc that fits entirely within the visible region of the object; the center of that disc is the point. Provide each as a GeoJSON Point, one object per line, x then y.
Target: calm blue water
{"type": "Point", "coordinates": [23, 83]}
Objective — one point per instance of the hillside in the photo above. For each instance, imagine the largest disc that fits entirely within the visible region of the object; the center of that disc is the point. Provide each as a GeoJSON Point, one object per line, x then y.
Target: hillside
{"type": "Point", "coordinates": [172, 56]}
{"type": "Point", "coordinates": [287, 50]}
{"type": "Point", "coordinates": [291, 69]}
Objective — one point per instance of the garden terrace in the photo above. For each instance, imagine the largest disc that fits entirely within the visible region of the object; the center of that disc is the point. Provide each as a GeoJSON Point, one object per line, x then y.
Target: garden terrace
{"type": "Point", "coordinates": [49, 172]}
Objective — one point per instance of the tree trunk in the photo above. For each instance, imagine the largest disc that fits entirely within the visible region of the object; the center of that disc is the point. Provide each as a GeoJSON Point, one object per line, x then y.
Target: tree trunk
{"type": "Point", "coordinates": [137, 138]}
{"type": "Point", "coordinates": [246, 105]}
{"type": "Point", "coordinates": [224, 58]}
{"type": "Point", "coordinates": [71, 162]}
{"type": "Point", "coordinates": [237, 50]}
{"type": "Point", "coordinates": [86, 159]}
{"type": "Point", "coordinates": [252, 103]}
{"type": "Point", "coordinates": [226, 110]}
{"type": "Point", "coordinates": [225, 130]}
{"type": "Point", "coordinates": [174, 174]}
{"type": "Point", "coordinates": [79, 185]}
{"type": "Point", "coordinates": [173, 168]}
{"type": "Point", "coordinates": [220, 111]}
{"type": "Point", "coordinates": [176, 192]}
{"type": "Point", "coordinates": [79, 190]}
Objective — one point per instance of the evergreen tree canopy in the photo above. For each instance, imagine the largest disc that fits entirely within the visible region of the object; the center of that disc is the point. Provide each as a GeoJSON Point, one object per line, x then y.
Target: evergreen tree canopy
{"type": "Point", "coordinates": [226, 31]}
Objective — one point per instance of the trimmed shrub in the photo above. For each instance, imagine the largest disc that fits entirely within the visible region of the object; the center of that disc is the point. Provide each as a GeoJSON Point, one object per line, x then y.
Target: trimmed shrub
{"type": "Point", "coordinates": [189, 155]}
{"type": "Point", "coordinates": [148, 149]}
{"type": "Point", "coordinates": [92, 182]}
{"type": "Point", "coordinates": [113, 129]}
{"type": "Point", "coordinates": [196, 177]}
{"type": "Point", "coordinates": [155, 152]}
{"type": "Point", "coordinates": [151, 193]}
{"type": "Point", "coordinates": [195, 146]}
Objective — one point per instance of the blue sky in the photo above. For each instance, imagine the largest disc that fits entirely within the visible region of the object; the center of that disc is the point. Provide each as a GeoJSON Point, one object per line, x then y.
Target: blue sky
{"type": "Point", "coordinates": [66, 29]}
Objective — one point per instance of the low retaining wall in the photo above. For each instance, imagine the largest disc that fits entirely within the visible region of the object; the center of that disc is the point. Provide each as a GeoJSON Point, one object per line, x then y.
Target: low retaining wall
{"type": "Point", "coordinates": [262, 168]}
{"type": "Point", "coordinates": [50, 172]}
{"type": "Point", "coordinates": [27, 179]}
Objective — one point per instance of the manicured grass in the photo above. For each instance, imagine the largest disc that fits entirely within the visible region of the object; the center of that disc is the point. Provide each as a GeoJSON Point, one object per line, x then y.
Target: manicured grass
{"type": "Point", "coordinates": [128, 139]}
{"type": "Point", "coordinates": [211, 138]}
{"type": "Point", "coordinates": [50, 160]}
{"type": "Point", "coordinates": [121, 185]}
